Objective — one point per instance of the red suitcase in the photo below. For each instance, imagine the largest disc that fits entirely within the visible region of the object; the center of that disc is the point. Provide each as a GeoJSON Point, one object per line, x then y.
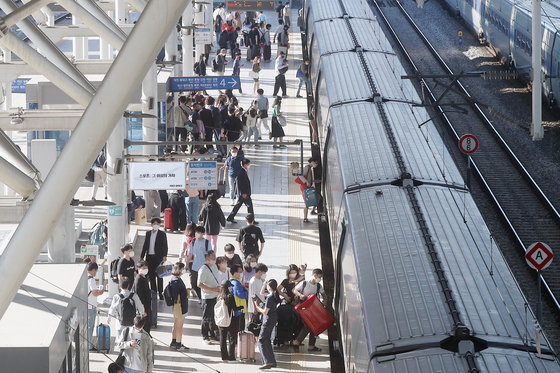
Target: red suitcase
{"type": "Point", "coordinates": [167, 219]}
{"type": "Point", "coordinates": [315, 315]}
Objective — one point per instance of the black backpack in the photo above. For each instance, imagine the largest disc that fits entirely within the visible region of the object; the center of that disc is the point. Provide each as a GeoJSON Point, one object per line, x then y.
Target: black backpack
{"type": "Point", "coordinates": [168, 295]}
{"type": "Point", "coordinates": [215, 64]}
{"type": "Point", "coordinates": [249, 244]}
{"type": "Point", "coordinates": [128, 310]}
{"type": "Point", "coordinates": [114, 268]}
{"type": "Point", "coordinates": [216, 118]}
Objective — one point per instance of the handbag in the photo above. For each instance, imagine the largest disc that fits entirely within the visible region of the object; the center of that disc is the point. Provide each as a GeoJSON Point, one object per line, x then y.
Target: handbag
{"type": "Point", "coordinates": [255, 325]}
{"type": "Point", "coordinates": [282, 121]}
{"type": "Point", "coordinates": [90, 176]}
{"type": "Point", "coordinates": [253, 74]}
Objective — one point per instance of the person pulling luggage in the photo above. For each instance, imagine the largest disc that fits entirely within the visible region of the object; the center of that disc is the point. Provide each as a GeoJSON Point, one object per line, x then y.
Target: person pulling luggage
{"type": "Point", "coordinates": [303, 290]}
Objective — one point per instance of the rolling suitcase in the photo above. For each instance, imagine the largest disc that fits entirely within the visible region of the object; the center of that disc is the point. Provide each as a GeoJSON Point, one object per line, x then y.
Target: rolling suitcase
{"type": "Point", "coordinates": [167, 219]}
{"type": "Point", "coordinates": [154, 308]}
{"type": "Point", "coordinates": [246, 346]}
{"type": "Point", "coordinates": [310, 196]}
{"type": "Point", "coordinates": [315, 315]}
{"type": "Point", "coordinates": [267, 53]}
{"type": "Point", "coordinates": [103, 338]}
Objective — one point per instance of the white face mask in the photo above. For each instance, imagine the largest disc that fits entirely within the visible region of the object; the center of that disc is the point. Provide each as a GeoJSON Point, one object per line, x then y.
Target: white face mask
{"type": "Point", "coordinates": [198, 235]}
{"type": "Point", "coordinates": [230, 255]}
{"type": "Point", "coordinates": [292, 275]}
{"type": "Point", "coordinates": [253, 264]}
{"type": "Point", "coordinates": [318, 279]}
{"type": "Point", "coordinates": [131, 254]}
{"type": "Point", "coordinates": [144, 271]}
{"type": "Point", "coordinates": [155, 227]}
{"type": "Point", "coordinates": [234, 154]}
{"type": "Point", "coordinates": [263, 276]}
{"type": "Point", "coordinates": [314, 166]}
{"type": "Point", "coordinates": [212, 262]}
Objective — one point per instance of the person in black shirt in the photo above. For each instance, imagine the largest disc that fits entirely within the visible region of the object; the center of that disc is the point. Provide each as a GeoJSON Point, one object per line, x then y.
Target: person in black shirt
{"type": "Point", "coordinates": [228, 334]}
{"type": "Point", "coordinates": [142, 288]}
{"type": "Point", "coordinates": [286, 287]}
{"type": "Point", "coordinates": [125, 267]}
{"type": "Point", "coordinates": [243, 192]}
{"type": "Point", "coordinates": [232, 258]}
{"type": "Point", "coordinates": [270, 318]}
{"type": "Point", "coordinates": [207, 121]}
{"type": "Point", "coordinates": [249, 237]}
{"type": "Point", "coordinates": [232, 125]}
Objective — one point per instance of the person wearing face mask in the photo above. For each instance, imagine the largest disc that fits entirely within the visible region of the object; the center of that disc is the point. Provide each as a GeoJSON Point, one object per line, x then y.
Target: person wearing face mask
{"type": "Point", "coordinates": [232, 170]}
{"type": "Point", "coordinates": [241, 296]}
{"type": "Point", "coordinates": [126, 267]}
{"type": "Point", "coordinates": [209, 285]}
{"type": "Point", "coordinates": [304, 289]}
{"type": "Point", "coordinates": [270, 318]}
{"type": "Point", "coordinates": [94, 291]}
{"type": "Point", "coordinates": [232, 257]}
{"type": "Point", "coordinates": [213, 220]}
{"type": "Point", "coordinates": [286, 287]}
{"type": "Point", "coordinates": [142, 288]}
{"type": "Point", "coordinates": [243, 192]}
{"type": "Point", "coordinates": [307, 179]}
{"type": "Point", "coordinates": [255, 286]}
{"type": "Point", "coordinates": [249, 269]}
{"type": "Point", "coordinates": [155, 252]}
{"type": "Point", "coordinates": [180, 306]}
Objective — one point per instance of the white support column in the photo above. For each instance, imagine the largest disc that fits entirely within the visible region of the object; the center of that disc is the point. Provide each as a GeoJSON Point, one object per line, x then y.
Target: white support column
{"type": "Point", "coordinates": [171, 51]}
{"type": "Point", "coordinates": [116, 190]}
{"type": "Point", "coordinates": [199, 20]}
{"type": "Point", "coordinates": [120, 12]}
{"type": "Point", "coordinates": [77, 42]}
{"type": "Point", "coordinates": [103, 49]}
{"type": "Point", "coordinates": [24, 11]}
{"type": "Point", "coordinates": [90, 134]}
{"type": "Point", "coordinates": [149, 125]}
{"type": "Point", "coordinates": [208, 18]}
{"type": "Point", "coordinates": [6, 55]}
{"type": "Point", "coordinates": [16, 179]}
{"type": "Point", "coordinates": [537, 131]}
{"type": "Point", "coordinates": [63, 238]}
{"type": "Point", "coordinates": [92, 8]}
{"type": "Point", "coordinates": [187, 33]}
{"type": "Point", "coordinates": [49, 16]}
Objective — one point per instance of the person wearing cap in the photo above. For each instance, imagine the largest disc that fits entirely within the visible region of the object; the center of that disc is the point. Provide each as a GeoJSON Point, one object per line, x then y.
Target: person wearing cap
{"type": "Point", "coordinates": [155, 252]}
{"type": "Point", "coordinates": [243, 191]}
{"type": "Point", "coordinates": [237, 68]}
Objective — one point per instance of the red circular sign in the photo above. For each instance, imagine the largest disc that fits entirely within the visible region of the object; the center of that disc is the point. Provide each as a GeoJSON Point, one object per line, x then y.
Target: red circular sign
{"type": "Point", "coordinates": [468, 144]}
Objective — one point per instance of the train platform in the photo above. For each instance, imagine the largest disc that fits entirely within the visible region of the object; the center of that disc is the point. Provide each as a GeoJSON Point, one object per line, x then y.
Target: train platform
{"type": "Point", "coordinates": [279, 210]}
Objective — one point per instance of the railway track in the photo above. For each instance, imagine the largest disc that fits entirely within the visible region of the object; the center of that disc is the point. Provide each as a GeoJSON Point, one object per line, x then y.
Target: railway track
{"type": "Point", "coordinates": [524, 208]}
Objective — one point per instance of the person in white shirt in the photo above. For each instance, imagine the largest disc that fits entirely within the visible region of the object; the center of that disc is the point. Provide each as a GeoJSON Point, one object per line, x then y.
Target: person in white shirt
{"type": "Point", "coordinates": [208, 283]}
{"type": "Point", "coordinates": [115, 309]}
{"type": "Point", "coordinates": [224, 273]}
{"type": "Point", "coordinates": [94, 291]}
{"type": "Point", "coordinates": [255, 288]}
{"type": "Point", "coordinates": [305, 289]}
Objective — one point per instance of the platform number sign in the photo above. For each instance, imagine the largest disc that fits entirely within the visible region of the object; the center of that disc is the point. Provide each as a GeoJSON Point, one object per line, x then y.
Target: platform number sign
{"type": "Point", "coordinates": [468, 144]}
{"type": "Point", "coordinates": [539, 256]}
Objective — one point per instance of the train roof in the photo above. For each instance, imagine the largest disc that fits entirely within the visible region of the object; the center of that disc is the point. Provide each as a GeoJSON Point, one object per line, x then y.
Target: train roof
{"type": "Point", "coordinates": [402, 304]}
{"type": "Point", "coordinates": [333, 36]}
{"type": "Point", "coordinates": [332, 9]}
{"type": "Point", "coordinates": [550, 15]}
{"type": "Point", "coordinates": [436, 360]}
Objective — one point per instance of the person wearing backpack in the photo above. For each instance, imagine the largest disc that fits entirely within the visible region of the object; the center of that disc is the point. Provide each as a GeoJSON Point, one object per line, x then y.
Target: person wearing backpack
{"type": "Point", "coordinates": [197, 251]}
{"type": "Point", "coordinates": [125, 266]}
{"type": "Point", "coordinates": [100, 174]}
{"type": "Point", "coordinates": [304, 289]}
{"type": "Point", "coordinates": [200, 66]}
{"type": "Point", "coordinates": [219, 63]}
{"type": "Point", "coordinates": [223, 314]}
{"type": "Point", "coordinates": [180, 299]}
{"type": "Point", "coordinates": [125, 306]}
{"type": "Point", "coordinates": [213, 220]}
{"type": "Point", "coordinates": [249, 237]}
{"type": "Point", "coordinates": [210, 287]}
{"type": "Point", "coordinates": [136, 347]}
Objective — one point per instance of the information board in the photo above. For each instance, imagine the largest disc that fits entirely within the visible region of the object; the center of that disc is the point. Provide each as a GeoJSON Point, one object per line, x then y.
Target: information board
{"type": "Point", "coordinates": [252, 5]}
{"type": "Point", "coordinates": [157, 175]}
{"type": "Point", "coordinates": [203, 175]}
{"type": "Point", "coordinates": [199, 83]}
{"type": "Point", "coordinates": [203, 36]}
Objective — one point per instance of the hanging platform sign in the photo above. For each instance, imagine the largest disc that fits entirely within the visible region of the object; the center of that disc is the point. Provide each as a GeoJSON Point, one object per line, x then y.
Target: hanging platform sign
{"type": "Point", "coordinates": [157, 175]}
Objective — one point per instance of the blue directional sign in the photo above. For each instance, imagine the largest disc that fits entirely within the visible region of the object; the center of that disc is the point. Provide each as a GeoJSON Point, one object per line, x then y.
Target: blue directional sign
{"type": "Point", "coordinates": [203, 175]}
{"type": "Point", "coordinates": [199, 83]}
{"type": "Point", "coordinates": [19, 85]}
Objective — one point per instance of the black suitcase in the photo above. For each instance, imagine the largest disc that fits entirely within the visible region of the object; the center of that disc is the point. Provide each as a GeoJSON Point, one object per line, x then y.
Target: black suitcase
{"type": "Point", "coordinates": [154, 308]}
{"type": "Point", "coordinates": [267, 52]}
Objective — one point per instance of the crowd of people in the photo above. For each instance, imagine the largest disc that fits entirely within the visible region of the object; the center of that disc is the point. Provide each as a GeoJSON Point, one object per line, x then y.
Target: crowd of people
{"type": "Point", "coordinates": [230, 284]}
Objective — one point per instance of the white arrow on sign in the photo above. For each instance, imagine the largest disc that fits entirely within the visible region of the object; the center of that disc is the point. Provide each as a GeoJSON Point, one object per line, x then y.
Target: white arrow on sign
{"type": "Point", "coordinates": [233, 82]}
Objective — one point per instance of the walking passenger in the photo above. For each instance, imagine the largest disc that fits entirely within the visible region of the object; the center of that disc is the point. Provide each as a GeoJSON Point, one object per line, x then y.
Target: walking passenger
{"type": "Point", "coordinates": [100, 173]}
{"type": "Point", "coordinates": [237, 68]}
{"type": "Point", "coordinates": [307, 179]}
{"type": "Point", "coordinates": [94, 291]}
{"type": "Point", "coordinates": [233, 168]}
{"type": "Point", "coordinates": [197, 255]}
{"type": "Point", "coordinates": [186, 242]}
{"type": "Point", "coordinates": [254, 73]}
{"type": "Point", "coordinates": [228, 336]}
{"type": "Point", "coordinates": [180, 298]}
{"type": "Point", "coordinates": [303, 75]}
{"type": "Point", "coordinates": [208, 283]}
{"type": "Point", "coordinates": [280, 68]}
{"type": "Point", "coordinates": [220, 62]}
{"type": "Point", "coordinates": [270, 318]}
{"type": "Point", "coordinates": [125, 306]}
{"type": "Point", "coordinates": [243, 192]}
{"type": "Point", "coordinates": [213, 219]}
{"type": "Point", "coordinates": [252, 128]}
{"type": "Point", "coordinates": [262, 107]}
{"type": "Point", "coordinates": [249, 237]}
{"type": "Point", "coordinates": [125, 266]}
{"type": "Point", "coordinates": [192, 203]}
{"type": "Point", "coordinates": [232, 257]}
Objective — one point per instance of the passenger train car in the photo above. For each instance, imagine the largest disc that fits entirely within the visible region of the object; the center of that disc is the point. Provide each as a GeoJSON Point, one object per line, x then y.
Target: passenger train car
{"type": "Point", "coordinates": [420, 286]}
{"type": "Point", "coordinates": [506, 25]}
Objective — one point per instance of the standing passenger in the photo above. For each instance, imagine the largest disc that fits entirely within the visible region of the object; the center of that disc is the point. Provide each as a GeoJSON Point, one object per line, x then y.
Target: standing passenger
{"type": "Point", "coordinates": [270, 318]}
{"type": "Point", "coordinates": [208, 283]}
